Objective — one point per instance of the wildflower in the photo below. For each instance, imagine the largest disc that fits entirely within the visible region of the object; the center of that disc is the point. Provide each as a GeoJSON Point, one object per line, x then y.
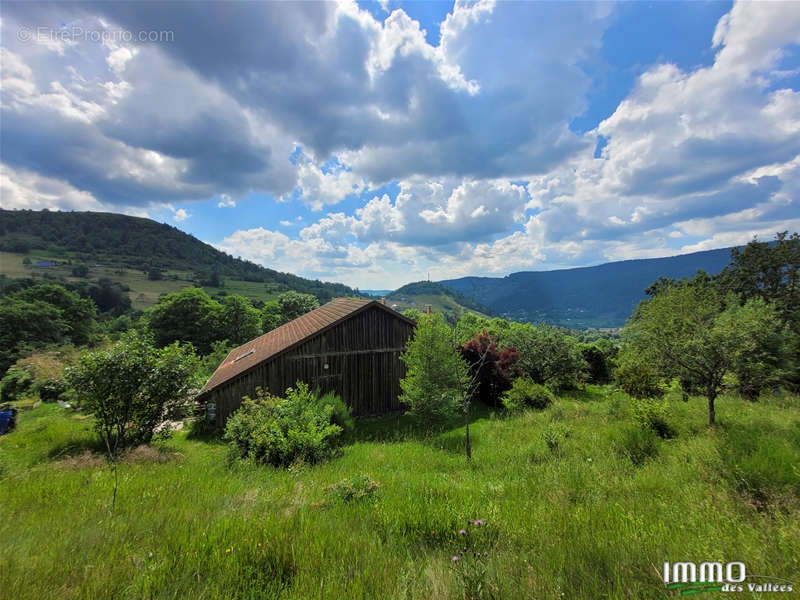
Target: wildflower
{"type": "Point", "coordinates": [469, 521]}
{"type": "Point", "coordinates": [462, 532]}
{"type": "Point", "coordinates": [486, 554]}
{"type": "Point", "coordinates": [228, 550]}
{"type": "Point", "coordinates": [478, 522]}
{"type": "Point", "coordinates": [455, 559]}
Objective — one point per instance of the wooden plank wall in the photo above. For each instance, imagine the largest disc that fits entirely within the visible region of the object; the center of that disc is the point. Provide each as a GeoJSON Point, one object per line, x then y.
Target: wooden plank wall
{"type": "Point", "coordinates": [364, 366]}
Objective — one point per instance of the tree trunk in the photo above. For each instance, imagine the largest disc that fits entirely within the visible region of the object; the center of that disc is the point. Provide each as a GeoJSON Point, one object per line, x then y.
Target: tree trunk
{"type": "Point", "coordinates": [711, 413]}
{"type": "Point", "coordinates": [466, 419]}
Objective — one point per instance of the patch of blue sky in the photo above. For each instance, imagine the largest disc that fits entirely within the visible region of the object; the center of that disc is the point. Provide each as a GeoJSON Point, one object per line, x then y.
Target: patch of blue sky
{"type": "Point", "coordinates": [208, 221]}
{"type": "Point", "coordinates": [602, 142]}
{"type": "Point", "coordinates": [429, 13]}
{"type": "Point", "coordinates": [642, 35]}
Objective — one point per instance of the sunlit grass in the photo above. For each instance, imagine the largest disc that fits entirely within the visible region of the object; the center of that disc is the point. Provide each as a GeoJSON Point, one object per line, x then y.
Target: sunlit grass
{"type": "Point", "coordinates": [582, 522]}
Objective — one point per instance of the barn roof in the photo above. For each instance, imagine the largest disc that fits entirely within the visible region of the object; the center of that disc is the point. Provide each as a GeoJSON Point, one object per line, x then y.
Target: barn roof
{"type": "Point", "coordinates": [286, 336]}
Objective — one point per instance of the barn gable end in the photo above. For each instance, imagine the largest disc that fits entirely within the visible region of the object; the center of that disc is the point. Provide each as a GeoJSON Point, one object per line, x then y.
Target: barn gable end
{"type": "Point", "coordinates": [348, 346]}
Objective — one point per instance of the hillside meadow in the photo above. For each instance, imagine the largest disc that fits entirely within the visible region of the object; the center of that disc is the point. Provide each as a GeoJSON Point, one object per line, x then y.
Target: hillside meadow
{"type": "Point", "coordinates": [143, 291]}
{"type": "Point", "coordinates": [575, 503]}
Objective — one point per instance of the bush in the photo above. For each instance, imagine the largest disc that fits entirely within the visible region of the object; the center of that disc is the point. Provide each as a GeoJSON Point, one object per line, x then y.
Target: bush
{"type": "Point", "coordinates": [279, 431]}
{"type": "Point", "coordinates": [16, 382]}
{"type": "Point", "coordinates": [524, 393]}
{"type": "Point", "coordinates": [652, 414]}
{"type": "Point", "coordinates": [638, 444]}
{"type": "Point", "coordinates": [52, 389]}
{"type": "Point", "coordinates": [340, 414]}
{"type": "Point", "coordinates": [357, 487]}
{"type": "Point", "coordinates": [639, 380]}
{"type": "Point", "coordinates": [491, 367]}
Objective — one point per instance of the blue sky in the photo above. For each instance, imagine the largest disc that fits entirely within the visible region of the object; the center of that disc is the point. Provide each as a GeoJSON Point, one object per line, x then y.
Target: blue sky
{"type": "Point", "coordinates": [374, 142]}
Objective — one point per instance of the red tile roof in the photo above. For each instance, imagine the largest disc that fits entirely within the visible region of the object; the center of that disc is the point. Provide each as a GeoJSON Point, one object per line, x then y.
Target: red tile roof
{"type": "Point", "coordinates": [284, 337]}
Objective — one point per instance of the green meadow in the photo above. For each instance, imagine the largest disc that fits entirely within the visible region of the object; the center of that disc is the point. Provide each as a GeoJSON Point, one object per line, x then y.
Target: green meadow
{"type": "Point", "coordinates": [143, 293]}
{"type": "Point", "coordinates": [576, 503]}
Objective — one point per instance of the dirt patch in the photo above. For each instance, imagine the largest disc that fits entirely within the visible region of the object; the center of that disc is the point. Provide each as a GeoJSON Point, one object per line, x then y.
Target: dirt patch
{"type": "Point", "coordinates": [150, 454]}
{"type": "Point", "coordinates": [84, 460]}
{"type": "Point", "coordinates": [139, 455]}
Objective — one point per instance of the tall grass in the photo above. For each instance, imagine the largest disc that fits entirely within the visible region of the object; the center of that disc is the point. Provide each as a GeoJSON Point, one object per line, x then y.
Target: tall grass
{"type": "Point", "coordinates": [583, 522]}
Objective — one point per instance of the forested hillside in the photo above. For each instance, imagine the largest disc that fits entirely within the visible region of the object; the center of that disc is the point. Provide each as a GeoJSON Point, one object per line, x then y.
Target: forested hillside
{"type": "Point", "coordinates": [120, 241]}
{"type": "Point", "coordinates": [600, 296]}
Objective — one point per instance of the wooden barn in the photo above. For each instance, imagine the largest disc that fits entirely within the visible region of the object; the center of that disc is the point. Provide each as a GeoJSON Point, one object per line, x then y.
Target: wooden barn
{"type": "Point", "coordinates": [350, 346]}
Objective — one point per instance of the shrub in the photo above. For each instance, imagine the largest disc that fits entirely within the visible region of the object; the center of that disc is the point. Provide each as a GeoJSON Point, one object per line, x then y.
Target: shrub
{"type": "Point", "coordinates": [52, 389]}
{"type": "Point", "coordinates": [652, 414]}
{"type": "Point", "coordinates": [638, 444]}
{"type": "Point", "coordinates": [340, 414]}
{"type": "Point", "coordinates": [280, 431]}
{"type": "Point", "coordinates": [357, 487]}
{"type": "Point", "coordinates": [524, 393]}
{"type": "Point", "coordinates": [16, 382]}
{"type": "Point", "coordinates": [491, 367]}
{"type": "Point", "coordinates": [639, 380]}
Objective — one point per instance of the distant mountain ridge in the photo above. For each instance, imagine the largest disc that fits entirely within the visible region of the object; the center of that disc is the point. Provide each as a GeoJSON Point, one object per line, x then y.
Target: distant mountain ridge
{"type": "Point", "coordinates": [602, 296]}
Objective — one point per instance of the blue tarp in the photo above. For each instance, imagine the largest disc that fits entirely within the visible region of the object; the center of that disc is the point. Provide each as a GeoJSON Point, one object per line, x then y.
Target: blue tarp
{"type": "Point", "coordinates": [7, 420]}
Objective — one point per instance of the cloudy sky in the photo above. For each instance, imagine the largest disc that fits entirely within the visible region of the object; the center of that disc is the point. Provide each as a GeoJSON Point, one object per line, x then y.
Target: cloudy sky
{"type": "Point", "coordinates": [376, 142]}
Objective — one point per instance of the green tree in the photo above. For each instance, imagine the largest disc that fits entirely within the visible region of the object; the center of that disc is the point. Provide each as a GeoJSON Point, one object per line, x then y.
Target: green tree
{"type": "Point", "coordinates": [546, 354]}
{"type": "Point", "coordinates": [240, 322]}
{"type": "Point", "coordinates": [110, 297]}
{"type": "Point", "coordinates": [25, 324]}
{"type": "Point", "coordinates": [80, 271]}
{"type": "Point", "coordinates": [271, 316]}
{"type": "Point", "coordinates": [770, 271]}
{"type": "Point", "coordinates": [689, 330]}
{"type": "Point", "coordinates": [287, 307]}
{"type": "Point", "coordinates": [78, 313]}
{"type": "Point", "coordinates": [189, 315]}
{"type": "Point", "coordinates": [437, 377]}
{"type": "Point", "coordinates": [131, 388]}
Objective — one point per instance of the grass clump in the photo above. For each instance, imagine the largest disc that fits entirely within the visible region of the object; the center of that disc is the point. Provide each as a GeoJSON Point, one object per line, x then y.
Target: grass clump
{"type": "Point", "coordinates": [638, 444]}
{"type": "Point", "coordinates": [525, 393]}
{"type": "Point", "coordinates": [280, 431]}
{"type": "Point", "coordinates": [761, 460]}
{"type": "Point", "coordinates": [554, 436]}
{"type": "Point", "coordinates": [357, 487]}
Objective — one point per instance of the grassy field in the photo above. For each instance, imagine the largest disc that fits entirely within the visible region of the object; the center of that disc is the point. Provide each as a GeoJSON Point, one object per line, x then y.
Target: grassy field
{"type": "Point", "coordinates": [574, 507]}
